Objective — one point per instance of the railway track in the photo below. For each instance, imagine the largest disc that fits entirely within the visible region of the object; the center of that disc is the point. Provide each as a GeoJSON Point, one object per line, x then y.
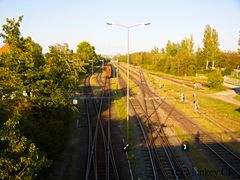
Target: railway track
{"type": "Point", "coordinates": [225, 129]}
{"type": "Point", "coordinates": [179, 81]}
{"type": "Point", "coordinates": [148, 155]}
{"type": "Point", "coordinates": [171, 166]}
{"type": "Point", "coordinates": [161, 162]}
{"type": "Point", "coordinates": [205, 116]}
{"type": "Point", "coordinates": [225, 158]}
{"type": "Point", "coordinates": [100, 162]}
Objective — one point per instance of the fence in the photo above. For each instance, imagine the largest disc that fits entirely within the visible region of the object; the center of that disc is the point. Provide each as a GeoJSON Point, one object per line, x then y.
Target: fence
{"type": "Point", "coordinates": [232, 81]}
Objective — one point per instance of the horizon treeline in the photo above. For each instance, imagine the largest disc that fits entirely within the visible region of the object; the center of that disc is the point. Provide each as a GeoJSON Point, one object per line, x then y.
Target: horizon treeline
{"type": "Point", "coordinates": [181, 59]}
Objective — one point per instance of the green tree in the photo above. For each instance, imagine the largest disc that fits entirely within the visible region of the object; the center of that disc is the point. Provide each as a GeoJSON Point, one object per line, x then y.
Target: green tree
{"type": "Point", "coordinates": [155, 50]}
{"type": "Point", "coordinates": [86, 52]}
{"type": "Point", "coordinates": [23, 53]}
{"type": "Point", "coordinates": [211, 44]}
{"type": "Point", "coordinates": [24, 57]}
{"type": "Point", "coordinates": [215, 80]}
{"type": "Point", "coordinates": [40, 119]}
{"type": "Point", "coordinates": [11, 30]}
{"type": "Point", "coordinates": [200, 60]}
{"type": "Point", "coordinates": [187, 46]}
{"type": "Point", "coordinates": [63, 66]}
{"type": "Point", "coordinates": [11, 85]}
{"type": "Point", "coordinates": [35, 53]}
{"type": "Point", "coordinates": [170, 64]}
{"type": "Point", "coordinates": [11, 35]}
{"type": "Point", "coordinates": [185, 60]}
{"type": "Point", "coordinates": [172, 48]}
{"type": "Point", "coordinates": [19, 157]}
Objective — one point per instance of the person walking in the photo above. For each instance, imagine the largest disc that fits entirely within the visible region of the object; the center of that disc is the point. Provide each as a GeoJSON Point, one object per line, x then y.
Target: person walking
{"type": "Point", "coordinates": [182, 98]}
{"type": "Point", "coordinates": [196, 107]}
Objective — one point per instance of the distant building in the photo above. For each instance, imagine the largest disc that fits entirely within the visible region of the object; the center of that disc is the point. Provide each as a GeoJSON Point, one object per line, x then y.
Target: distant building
{"type": "Point", "coordinates": [4, 48]}
{"type": "Point", "coordinates": [107, 56]}
{"type": "Point", "coordinates": [236, 73]}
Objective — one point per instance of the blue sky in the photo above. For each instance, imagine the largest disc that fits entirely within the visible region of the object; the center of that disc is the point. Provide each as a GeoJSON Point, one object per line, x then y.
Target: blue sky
{"type": "Point", "coordinates": [59, 21]}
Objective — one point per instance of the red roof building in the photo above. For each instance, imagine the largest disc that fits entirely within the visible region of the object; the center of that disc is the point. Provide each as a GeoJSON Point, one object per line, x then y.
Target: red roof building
{"type": "Point", "coordinates": [4, 48]}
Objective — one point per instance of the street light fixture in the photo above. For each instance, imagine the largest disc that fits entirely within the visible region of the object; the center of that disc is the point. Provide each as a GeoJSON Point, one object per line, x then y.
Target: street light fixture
{"type": "Point", "coordinates": [128, 27]}
{"type": "Point", "coordinates": [109, 23]}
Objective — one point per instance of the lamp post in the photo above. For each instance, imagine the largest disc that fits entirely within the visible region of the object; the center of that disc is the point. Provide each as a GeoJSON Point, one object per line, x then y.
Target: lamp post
{"type": "Point", "coordinates": [92, 65]}
{"type": "Point", "coordinates": [128, 32]}
{"type": "Point", "coordinates": [117, 73]}
{"type": "Point", "coordinates": [102, 63]}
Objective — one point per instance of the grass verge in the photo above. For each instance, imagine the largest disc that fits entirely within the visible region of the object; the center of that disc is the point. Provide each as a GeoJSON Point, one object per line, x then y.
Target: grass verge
{"type": "Point", "coordinates": [237, 97]}
{"type": "Point", "coordinates": [195, 153]}
{"type": "Point", "coordinates": [133, 87]}
{"type": "Point", "coordinates": [121, 116]}
{"type": "Point", "coordinates": [224, 113]}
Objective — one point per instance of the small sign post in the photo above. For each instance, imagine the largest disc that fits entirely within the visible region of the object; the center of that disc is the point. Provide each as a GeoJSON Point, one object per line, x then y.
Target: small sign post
{"type": "Point", "coordinates": [75, 101]}
{"type": "Point", "coordinates": [185, 146]}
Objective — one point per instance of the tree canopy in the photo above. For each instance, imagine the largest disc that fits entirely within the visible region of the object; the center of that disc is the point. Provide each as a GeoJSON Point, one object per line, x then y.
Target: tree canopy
{"type": "Point", "coordinates": [211, 44]}
{"type": "Point", "coordinates": [35, 106]}
{"type": "Point", "coordinates": [86, 52]}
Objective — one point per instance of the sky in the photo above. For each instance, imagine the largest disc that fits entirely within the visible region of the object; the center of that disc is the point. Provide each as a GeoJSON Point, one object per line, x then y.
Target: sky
{"type": "Point", "coordinates": [72, 21]}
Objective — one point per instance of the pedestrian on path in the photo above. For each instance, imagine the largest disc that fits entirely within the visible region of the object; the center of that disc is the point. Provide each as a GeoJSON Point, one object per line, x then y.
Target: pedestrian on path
{"type": "Point", "coordinates": [182, 97]}
{"type": "Point", "coordinates": [196, 107]}
{"type": "Point", "coordinates": [161, 85]}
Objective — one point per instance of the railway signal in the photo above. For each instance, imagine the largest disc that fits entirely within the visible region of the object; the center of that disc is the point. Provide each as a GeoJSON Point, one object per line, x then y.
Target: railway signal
{"type": "Point", "coordinates": [126, 147]}
{"type": "Point", "coordinates": [185, 146]}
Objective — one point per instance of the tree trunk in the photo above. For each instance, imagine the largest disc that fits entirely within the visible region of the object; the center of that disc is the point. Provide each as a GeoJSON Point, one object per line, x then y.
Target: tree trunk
{"type": "Point", "coordinates": [207, 64]}
{"type": "Point", "coordinates": [213, 64]}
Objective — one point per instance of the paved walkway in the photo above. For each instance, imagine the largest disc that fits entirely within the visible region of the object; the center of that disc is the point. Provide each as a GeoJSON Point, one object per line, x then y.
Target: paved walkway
{"type": "Point", "coordinates": [228, 95]}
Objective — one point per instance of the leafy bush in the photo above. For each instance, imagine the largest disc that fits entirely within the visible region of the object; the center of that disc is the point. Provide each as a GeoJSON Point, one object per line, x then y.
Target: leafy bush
{"type": "Point", "coordinates": [215, 80]}
{"type": "Point", "coordinates": [227, 71]}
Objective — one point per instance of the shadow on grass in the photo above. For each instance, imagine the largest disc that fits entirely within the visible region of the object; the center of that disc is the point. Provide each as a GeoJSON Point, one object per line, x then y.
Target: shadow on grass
{"type": "Point", "coordinates": [205, 155]}
{"type": "Point", "coordinates": [236, 89]}
{"type": "Point", "coordinates": [238, 109]}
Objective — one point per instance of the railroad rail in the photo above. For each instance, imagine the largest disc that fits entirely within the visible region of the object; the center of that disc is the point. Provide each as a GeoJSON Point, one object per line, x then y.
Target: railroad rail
{"type": "Point", "coordinates": [172, 166]}
{"type": "Point", "coordinates": [185, 82]}
{"type": "Point", "coordinates": [223, 128]}
{"type": "Point", "coordinates": [202, 114]}
{"type": "Point", "coordinates": [226, 157]}
{"type": "Point", "coordinates": [152, 171]}
{"type": "Point", "coordinates": [164, 164]}
{"type": "Point", "coordinates": [101, 163]}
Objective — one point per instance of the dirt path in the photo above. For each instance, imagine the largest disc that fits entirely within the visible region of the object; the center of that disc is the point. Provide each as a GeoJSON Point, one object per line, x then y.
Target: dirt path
{"type": "Point", "coordinates": [228, 95]}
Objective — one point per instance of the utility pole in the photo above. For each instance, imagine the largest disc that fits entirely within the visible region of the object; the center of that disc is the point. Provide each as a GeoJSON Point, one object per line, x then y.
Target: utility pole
{"type": "Point", "coordinates": [128, 32]}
